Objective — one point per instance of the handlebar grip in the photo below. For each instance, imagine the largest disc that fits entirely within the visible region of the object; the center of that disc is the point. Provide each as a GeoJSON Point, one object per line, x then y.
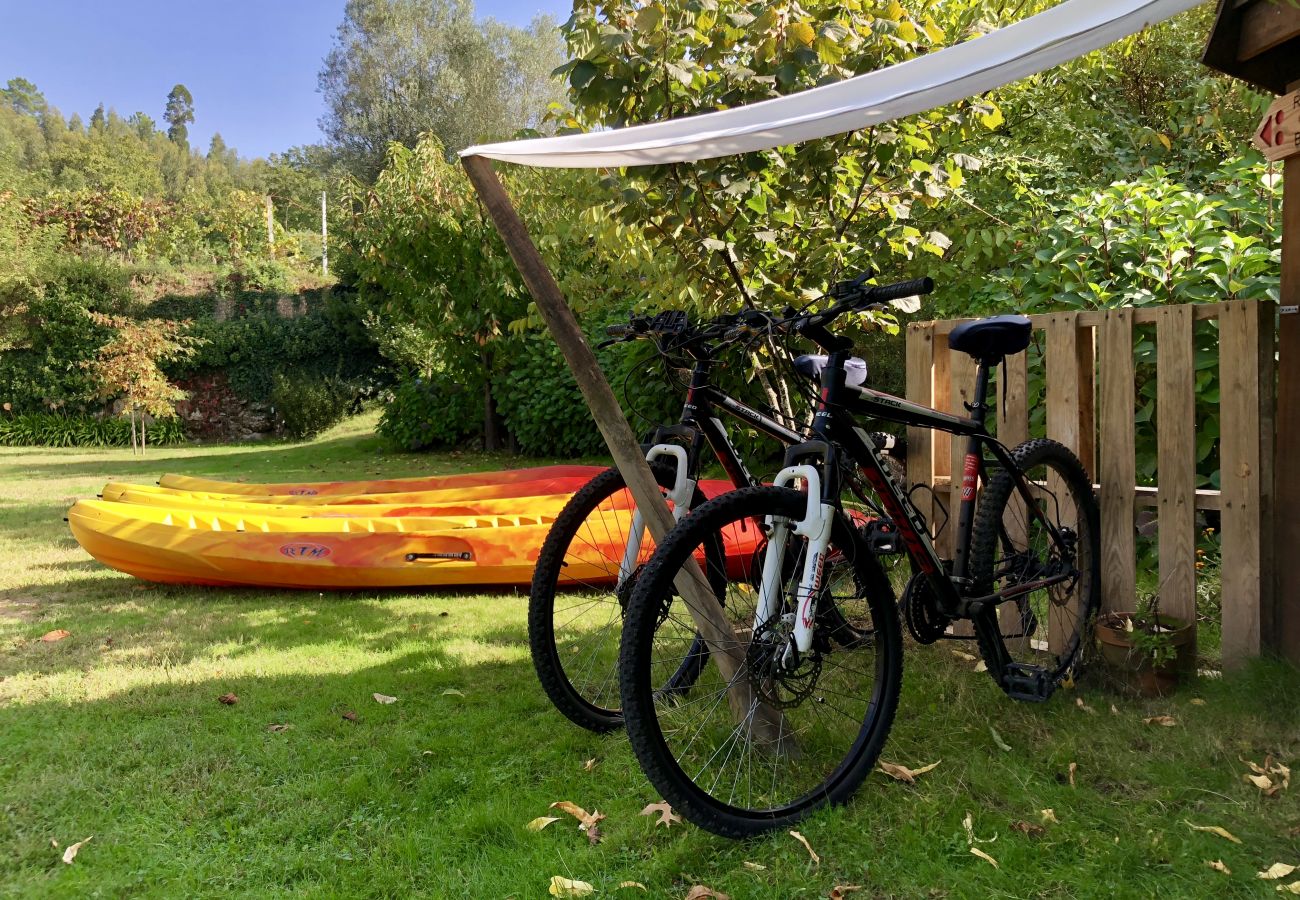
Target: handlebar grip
{"type": "Point", "coordinates": [887, 292]}
{"type": "Point", "coordinates": [618, 330]}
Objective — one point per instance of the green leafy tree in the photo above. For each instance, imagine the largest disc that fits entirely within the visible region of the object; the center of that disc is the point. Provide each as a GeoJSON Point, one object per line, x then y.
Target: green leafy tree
{"type": "Point", "coordinates": [97, 118]}
{"type": "Point", "coordinates": [128, 366]}
{"type": "Point", "coordinates": [401, 68]}
{"type": "Point", "coordinates": [178, 114]}
{"type": "Point", "coordinates": [23, 98]}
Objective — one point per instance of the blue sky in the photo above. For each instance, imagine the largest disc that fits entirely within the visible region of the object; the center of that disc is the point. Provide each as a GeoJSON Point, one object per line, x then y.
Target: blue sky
{"type": "Point", "coordinates": [251, 66]}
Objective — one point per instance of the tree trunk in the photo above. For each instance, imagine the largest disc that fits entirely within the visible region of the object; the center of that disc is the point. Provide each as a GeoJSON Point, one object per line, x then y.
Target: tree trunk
{"type": "Point", "coordinates": [144, 431]}
{"type": "Point", "coordinates": [131, 412]}
{"type": "Point", "coordinates": [492, 425]}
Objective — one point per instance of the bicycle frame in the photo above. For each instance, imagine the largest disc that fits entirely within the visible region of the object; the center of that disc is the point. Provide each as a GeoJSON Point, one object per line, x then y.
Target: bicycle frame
{"type": "Point", "coordinates": [699, 425]}
{"type": "Point", "coordinates": [833, 433]}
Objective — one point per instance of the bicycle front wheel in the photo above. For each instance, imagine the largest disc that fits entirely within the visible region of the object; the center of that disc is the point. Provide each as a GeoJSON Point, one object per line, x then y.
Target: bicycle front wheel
{"type": "Point", "coordinates": [580, 587]}
{"type": "Point", "coordinates": [1052, 537]}
{"type": "Point", "coordinates": [761, 748]}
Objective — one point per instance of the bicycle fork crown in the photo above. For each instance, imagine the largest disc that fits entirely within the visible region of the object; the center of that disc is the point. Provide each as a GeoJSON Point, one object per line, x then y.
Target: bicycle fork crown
{"type": "Point", "coordinates": [815, 526]}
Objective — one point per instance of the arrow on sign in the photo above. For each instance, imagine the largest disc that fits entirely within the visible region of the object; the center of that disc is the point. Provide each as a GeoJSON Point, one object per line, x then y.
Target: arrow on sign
{"type": "Point", "coordinates": [1278, 136]}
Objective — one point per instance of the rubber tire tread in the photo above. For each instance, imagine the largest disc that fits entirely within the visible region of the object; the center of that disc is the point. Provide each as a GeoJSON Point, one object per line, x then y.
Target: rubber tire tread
{"type": "Point", "coordinates": [984, 540]}
{"type": "Point", "coordinates": [541, 598]}
{"type": "Point", "coordinates": [653, 754]}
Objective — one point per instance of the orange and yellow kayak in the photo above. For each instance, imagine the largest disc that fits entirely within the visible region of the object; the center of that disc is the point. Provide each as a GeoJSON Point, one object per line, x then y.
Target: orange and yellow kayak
{"type": "Point", "coordinates": [567, 484]}
{"type": "Point", "coordinates": [213, 546]}
{"type": "Point", "coordinates": [381, 486]}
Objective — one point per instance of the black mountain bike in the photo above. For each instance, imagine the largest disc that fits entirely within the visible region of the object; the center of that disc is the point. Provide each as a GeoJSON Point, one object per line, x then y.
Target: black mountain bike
{"type": "Point", "coordinates": [598, 544]}
{"type": "Point", "coordinates": [1024, 573]}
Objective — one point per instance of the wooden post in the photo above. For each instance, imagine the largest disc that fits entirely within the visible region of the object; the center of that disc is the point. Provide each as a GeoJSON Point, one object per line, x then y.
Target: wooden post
{"type": "Point", "coordinates": [270, 225]}
{"type": "Point", "coordinates": [1286, 469]}
{"type": "Point", "coordinates": [1176, 461]}
{"type": "Point", "coordinates": [1118, 463]}
{"type": "Point", "coordinates": [766, 724]}
{"type": "Point", "coordinates": [324, 239]}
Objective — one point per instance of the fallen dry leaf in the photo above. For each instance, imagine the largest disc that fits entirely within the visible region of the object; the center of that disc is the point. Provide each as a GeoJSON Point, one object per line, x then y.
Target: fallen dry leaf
{"type": "Point", "coordinates": [700, 892]}
{"type": "Point", "coordinates": [567, 887]}
{"type": "Point", "coordinates": [1166, 721]}
{"type": "Point", "coordinates": [594, 836]}
{"type": "Point", "coordinates": [998, 742]}
{"type": "Point", "coordinates": [629, 884]}
{"type": "Point", "coordinates": [1263, 782]}
{"type": "Point", "coordinates": [1276, 871]}
{"type": "Point", "coordinates": [757, 867]}
{"type": "Point", "coordinates": [1074, 767]}
{"type": "Point", "coordinates": [57, 634]}
{"type": "Point", "coordinates": [585, 819]}
{"type": "Point", "coordinates": [1197, 701]}
{"type": "Point", "coordinates": [838, 892]}
{"type": "Point", "coordinates": [981, 666]}
{"type": "Point", "coordinates": [962, 654]}
{"type": "Point", "coordinates": [817, 860]}
{"type": "Point", "coordinates": [1292, 888]}
{"type": "Point", "coordinates": [350, 715]}
{"type": "Point", "coordinates": [277, 728]}
{"type": "Point", "coordinates": [1113, 710]}
{"type": "Point", "coordinates": [1078, 701]}
{"type": "Point", "coordinates": [968, 824]}
{"type": "Point", "coordinates": [1214, 829]}
{"type": "Point", "coordinates": [666, 815]}
{"type": "Point", "coordinates": [541, 822]}
{"type": "Point", "coordinates": [228, 699]}
{"type": "Point", "coordinates": [71, 853]}
{"type": "Point", "coordinates": [903, 773]}
{"type": "Point", "coordinates": [451, 692]}
{"type": "Point", "coordinates": [54, 842]}
{"type": "Point", "coordinates": [589, 765]}
{"type": "Point", "coordinates": [1028, 828]}
{"type": "Point", "coordinates": [1218, 865]}
{"type": "Point", "coordinates": [1049, 815]}
{"type": "Point", "coordinates": [384, 698]}
{"type": "Point", "coordinates": [984, 856]}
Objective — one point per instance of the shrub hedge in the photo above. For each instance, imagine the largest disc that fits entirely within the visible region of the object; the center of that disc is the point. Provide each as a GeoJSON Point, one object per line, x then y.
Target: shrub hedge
{"type": "Point", "coordinates": [59, 430]}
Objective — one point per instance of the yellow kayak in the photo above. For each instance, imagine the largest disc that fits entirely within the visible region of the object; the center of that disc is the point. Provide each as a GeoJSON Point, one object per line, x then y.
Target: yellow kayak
{"type": "Point", "coordinates": [230, 548]}
{"type": "Point", "coordinates": [568, 484]}
{"type": "Point", "coordinates": [218, 548]}
{"type": "Point", "coordinates": [139, 495]}
{"type": "Point", "coordinates": [381, 486]}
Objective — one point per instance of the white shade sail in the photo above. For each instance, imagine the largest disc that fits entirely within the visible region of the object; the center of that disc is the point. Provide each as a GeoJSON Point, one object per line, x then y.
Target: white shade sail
{"type": "Point", "coordinates": [1073, 28]}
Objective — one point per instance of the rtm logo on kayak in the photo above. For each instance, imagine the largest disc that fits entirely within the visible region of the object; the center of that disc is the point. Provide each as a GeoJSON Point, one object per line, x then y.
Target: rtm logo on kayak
{"type": "Point", "coordinates": [303, 492]}
{"type": "Point", "coordinates": [305, 551]}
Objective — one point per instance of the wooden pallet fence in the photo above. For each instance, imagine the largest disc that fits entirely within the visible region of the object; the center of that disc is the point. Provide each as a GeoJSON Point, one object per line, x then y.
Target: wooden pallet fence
{"type": "Point", "coordinates": [1090, 395]}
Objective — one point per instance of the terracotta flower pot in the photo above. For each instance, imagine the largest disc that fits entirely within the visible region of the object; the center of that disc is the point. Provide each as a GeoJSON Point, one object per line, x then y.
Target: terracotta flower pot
{"type": "Point", "coordinates": [1134, 666]}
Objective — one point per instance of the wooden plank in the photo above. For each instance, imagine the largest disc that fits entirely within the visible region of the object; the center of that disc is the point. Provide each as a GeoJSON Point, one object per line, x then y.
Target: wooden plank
{"type": "Point", "coordinates": [920, 389]}
{"type": "Point", "coordinates": [1176, 461]}
{"type": "Point", "coordinates": [1265, 25]}
{"type": "Point", "coordinates": [1094, 318]}
{"type": "Point", "coordinates": [1118, 466]}
{"type": "Point", "coordinates": [1085, 346]}
{"type": "Point", "coordinates": [1013, 400]}
{"type": "Point", "coordinates": [941, 441]}
{"type": "Point", "coordinates": [1063, 403]}
{"type": "Point", "coordinates": [1063, 394]}
{"type": "Point", "coordinates": [1266, 365]}
{"type": "Point", "coordinates": [1202, 498]}
{"type": "Point", "coordinates": [1239, 464]}
{"type": "Point", "coordinates": [1286, 473]}
{"type": "Point", "coordinates": [767, 723]}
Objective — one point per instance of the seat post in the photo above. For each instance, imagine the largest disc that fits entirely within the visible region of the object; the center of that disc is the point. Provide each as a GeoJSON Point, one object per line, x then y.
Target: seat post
{"type": "Point", "coordinates": [979, 406]}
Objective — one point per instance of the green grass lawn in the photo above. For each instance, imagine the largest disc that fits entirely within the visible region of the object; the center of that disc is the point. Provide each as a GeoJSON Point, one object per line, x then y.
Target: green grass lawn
{"type": "Point", "coordinates": [116, 732]}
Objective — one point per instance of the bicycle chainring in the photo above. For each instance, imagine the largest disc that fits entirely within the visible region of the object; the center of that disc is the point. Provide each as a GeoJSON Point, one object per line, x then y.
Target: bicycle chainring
{"type": "Point", "coordinates": [926, 622]}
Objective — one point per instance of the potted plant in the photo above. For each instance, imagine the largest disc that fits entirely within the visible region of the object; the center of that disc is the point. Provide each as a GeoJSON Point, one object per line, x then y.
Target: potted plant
{"type": "Point", "coordinates": [1149, 650]}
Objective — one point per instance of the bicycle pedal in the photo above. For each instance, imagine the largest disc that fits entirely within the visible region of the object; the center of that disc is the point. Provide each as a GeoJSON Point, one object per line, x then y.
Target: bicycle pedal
{"type": "Point", "coordinates": [1028, 683]}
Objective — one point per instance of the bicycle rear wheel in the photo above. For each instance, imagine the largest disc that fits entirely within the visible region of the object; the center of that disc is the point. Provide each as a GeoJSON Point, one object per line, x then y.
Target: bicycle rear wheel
{"type": "Point", "coordinates": [579, 590]}
{"type": "Point", "coordinates": [1044, 631]}
{"type": "Point", "coordinates": [830, 715]}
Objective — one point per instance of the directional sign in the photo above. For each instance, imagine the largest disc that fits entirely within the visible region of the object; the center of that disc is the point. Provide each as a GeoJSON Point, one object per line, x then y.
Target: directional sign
{"type": "Point", "coordinates": [1278, 135]}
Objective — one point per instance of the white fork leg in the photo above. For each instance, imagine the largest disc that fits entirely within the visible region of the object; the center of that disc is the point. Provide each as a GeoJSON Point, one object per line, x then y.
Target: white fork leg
{"type": "Point", "coordinates": [680, 495]}
{"type": "Point", "coordinates": [815, 526]}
